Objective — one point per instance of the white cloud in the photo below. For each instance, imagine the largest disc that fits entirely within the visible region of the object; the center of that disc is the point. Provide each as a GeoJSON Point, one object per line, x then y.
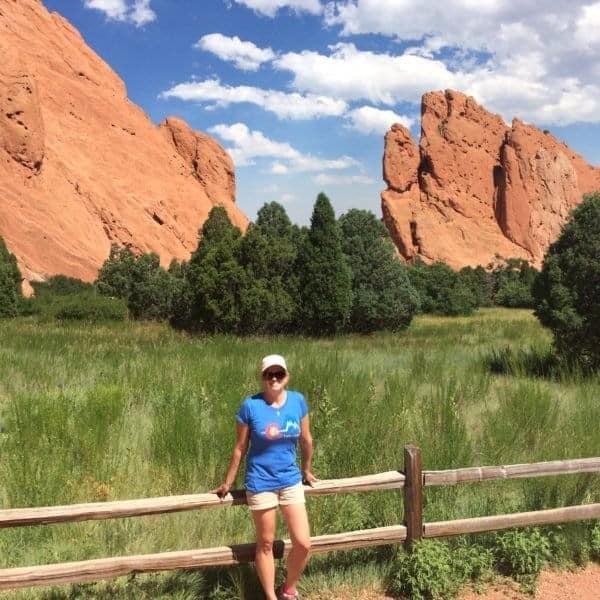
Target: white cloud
{"type": "Point", "coordinates": [248, 145]}
{"type": "Point", "coordinates": [328, 179]}
{"type": "Point", "coordinates": [517, 58]}
{"type": "Point", "coordinates": [113, 9]}
{"type": "Point", "coordinates": [269, 8]}
{"type": "Point", "coordinates": [351, 74]}
{"type": "Point", "coordinates": [137, 12]}
{"type": "Point", "coordinates": [284, 105]}
{"type": "Point", "coordinates": [368, 119]}
{"type": "Point", "coordinates": [244, 55]}
{"type": "Point", "coordinates": [141, 13]}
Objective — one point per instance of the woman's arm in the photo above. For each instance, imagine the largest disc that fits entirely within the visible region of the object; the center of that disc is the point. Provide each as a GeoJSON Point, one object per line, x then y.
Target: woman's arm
{"type": "Point", "coordinates": [306, 447]}
{"type": "Point", "coordinates": [239, 451]}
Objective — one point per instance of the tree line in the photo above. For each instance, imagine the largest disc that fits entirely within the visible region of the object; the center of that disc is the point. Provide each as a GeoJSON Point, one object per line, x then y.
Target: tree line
{"type": "Point", "coordinates": [335, 276]}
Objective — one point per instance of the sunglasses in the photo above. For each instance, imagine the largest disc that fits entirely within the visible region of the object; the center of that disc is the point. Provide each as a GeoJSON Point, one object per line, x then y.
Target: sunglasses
{"type": "Point", "coordinates": [279, 375]}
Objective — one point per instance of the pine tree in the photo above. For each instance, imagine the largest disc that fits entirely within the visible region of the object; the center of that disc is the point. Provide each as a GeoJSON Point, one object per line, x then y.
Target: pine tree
{"type": "Point", "coordinates": [324, 275]}
{"type": "Point", "coordinates": [382, 295]}
{"type": "Point", "coordinates": [217, 279]}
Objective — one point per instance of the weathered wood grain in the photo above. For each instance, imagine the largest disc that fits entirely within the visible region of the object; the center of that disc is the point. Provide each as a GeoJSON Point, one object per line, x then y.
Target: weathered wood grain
{"type": "Point", "coordinates": [541, 469]}
{"type": "Point", "coordinates": [108, 568]}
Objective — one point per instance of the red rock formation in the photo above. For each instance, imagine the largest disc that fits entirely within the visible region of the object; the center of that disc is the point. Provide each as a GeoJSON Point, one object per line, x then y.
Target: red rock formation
{"type": "Point", "coordinates": [475, 188]}
{"type": "Point", "coordinates": [81, 166]}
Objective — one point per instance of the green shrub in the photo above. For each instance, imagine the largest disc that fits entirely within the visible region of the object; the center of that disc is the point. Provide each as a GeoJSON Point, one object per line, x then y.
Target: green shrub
{"type": "Point", "coordinates": [425, 573]}
{"type": "Point", "coordinates": [595, 542]}
{"type": "Point", "coordinates": [88, 307]}
{"type": "Point", "coordinates": [61, 285]}
{"type": "Point", "coordinates": [512, 283]}
{"type": "Point", "coordinates": [442, 291]}
{"type": "Point", "coordinates": [567, 291]}
{"type": "Point", "coordinates": [10, 282]}
{"type": "Point", "coordinates": [522, 554]}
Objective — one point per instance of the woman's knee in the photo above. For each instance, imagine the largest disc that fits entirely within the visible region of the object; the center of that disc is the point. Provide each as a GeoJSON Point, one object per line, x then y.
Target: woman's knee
{"type": "Point", "coordinates": [265, 545]}
{"type": "Point", "coordinates": [302, 545]}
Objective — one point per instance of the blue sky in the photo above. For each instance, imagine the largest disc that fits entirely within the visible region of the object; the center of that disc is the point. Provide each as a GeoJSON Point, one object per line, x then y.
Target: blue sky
{"type": "Point", "coordinates": [301, 92]}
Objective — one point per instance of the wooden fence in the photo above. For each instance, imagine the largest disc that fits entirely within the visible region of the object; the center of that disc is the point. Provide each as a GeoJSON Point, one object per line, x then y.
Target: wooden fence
{"type": "Point", "coordinates": [412, 479]}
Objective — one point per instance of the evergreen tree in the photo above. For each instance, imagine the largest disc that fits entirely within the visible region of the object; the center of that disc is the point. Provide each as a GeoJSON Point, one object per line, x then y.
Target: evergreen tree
{"type": "Point", "coordinates": [217, 279]}
{"type": "Point", "coordinates": [265, 304]}
{"type": "Point", "coordinates": [10, 282]}
{"type": "Point", "coordinates": [567, 291]}
{"type": "Point", "coordinates": [325, 285]}
{"type": "Point", "coordinates": [382, 295]}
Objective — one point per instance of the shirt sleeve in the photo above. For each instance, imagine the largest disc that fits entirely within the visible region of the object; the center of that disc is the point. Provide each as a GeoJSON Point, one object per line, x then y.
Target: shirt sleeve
{"type": "Point", "coordinates": [303, 406]}
{"type": "Point", "coordinates": [243, 414]}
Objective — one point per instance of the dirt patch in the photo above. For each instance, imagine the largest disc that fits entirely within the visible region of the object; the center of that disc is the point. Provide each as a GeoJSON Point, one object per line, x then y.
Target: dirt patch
{"type": "Point", "coordinates": [553, 585]}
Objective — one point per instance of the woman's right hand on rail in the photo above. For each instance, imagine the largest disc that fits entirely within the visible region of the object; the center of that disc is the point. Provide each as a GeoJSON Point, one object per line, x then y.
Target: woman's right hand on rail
{"type": "Point", "coordinates": [222, 490]}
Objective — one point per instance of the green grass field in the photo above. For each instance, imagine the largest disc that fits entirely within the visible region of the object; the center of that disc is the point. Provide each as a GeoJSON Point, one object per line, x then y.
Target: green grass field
{"type": "Point", "coordinates": [137, 410]}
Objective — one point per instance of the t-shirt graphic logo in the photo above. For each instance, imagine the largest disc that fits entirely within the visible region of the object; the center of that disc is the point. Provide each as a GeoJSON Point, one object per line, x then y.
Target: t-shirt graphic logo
{"type": "Point", "coordinates": [273, 432]}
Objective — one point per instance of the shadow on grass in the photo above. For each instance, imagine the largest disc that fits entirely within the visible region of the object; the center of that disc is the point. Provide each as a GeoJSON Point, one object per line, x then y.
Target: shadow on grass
{"type": "Point", "coordinates": [529, 362]}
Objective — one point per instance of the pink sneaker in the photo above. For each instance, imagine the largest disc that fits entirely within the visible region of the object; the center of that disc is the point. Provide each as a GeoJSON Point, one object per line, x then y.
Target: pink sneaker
{"type": "Point", "coordinates": [281, 595]}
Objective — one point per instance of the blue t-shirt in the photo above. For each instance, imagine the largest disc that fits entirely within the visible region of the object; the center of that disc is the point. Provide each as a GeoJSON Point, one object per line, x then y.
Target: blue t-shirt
{"type": "Point", "coordinates": [274, 432]}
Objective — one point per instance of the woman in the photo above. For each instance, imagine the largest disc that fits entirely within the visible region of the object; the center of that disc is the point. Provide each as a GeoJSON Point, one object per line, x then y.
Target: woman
{"type": "Point", "coordinates": [271, 423]}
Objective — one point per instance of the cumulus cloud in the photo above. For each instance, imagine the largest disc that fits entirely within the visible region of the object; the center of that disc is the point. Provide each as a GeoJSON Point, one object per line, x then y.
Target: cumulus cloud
{"type": "Point", "coordinates": [244, 55]}
{"type": "Point", "coordinates": [137, 12]}
{"type": "Point", "coordinates": [353, 74]}
{"type": "Point", "coordinates": [248, 145]}
{"type": "Point", "coordinates": [328, 179]}
{"type": "Point", "coordinates": [371, 120]}
{"type": "Point", "coordinates": [269, 8]}
{"type": "Point", "coordinates": [517, 59]}
{"type": "Point", "coordinates": [284, 105]}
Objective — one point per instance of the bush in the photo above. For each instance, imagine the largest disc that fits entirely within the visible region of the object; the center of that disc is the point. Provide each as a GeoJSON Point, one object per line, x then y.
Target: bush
{"type": "Point", "coordinates": [88, 307]}
{"type": "Point", "coordinates": [442, 290]}
{"type": "Point", "coordinates": [512, 284]}
{"type": "Point", "coordinates": [61, 285]}
{"type": "Point", "coordinates": [522, 554]}
{"type": "Point", "coordinates": [435, 570]}
{"type": "Point", "coordinates": [595, 542]}
{"type": "Point", "coordinates": [10, 282]}
{"type": "Point", "coordinates": [425, 573]}
{"type": "Point", "coordinates": [567, 291]}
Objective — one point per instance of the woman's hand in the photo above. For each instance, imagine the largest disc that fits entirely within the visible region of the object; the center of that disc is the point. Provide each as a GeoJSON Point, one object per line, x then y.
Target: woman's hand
{"type": "Point", "coordinates": [222, 490]}
{"type": "Point", "coordinates": [308, 478]}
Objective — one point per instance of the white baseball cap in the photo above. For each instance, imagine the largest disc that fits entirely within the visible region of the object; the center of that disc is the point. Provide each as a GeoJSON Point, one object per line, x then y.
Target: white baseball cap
{"type": "Point", "coordinates": [273, 360]}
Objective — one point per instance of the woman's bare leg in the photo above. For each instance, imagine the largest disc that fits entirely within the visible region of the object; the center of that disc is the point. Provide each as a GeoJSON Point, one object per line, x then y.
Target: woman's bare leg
{"type": "Point", "coordinates": [296, 520]}
{"type": "Point", "coordinates": [264, 522]}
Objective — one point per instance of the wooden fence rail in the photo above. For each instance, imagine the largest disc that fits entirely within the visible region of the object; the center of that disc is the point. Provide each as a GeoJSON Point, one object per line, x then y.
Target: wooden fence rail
{"type": "Point", "coordinates": [412, 479]}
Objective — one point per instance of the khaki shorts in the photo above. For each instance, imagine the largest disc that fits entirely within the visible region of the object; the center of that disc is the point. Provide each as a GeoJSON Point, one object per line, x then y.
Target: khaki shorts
{"type": "Point", "coordinates": [265, 500]}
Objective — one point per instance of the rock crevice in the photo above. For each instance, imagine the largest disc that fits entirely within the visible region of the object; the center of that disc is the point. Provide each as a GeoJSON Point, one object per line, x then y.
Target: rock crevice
{"type": "Point", "coordinates": [476, 189]}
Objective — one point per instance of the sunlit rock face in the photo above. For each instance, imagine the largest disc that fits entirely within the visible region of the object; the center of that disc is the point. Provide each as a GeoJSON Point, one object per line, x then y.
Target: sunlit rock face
{"type": "Point", "coordinates": [81, 166]}
{"type": "Point", "coordinates": [476, 189]}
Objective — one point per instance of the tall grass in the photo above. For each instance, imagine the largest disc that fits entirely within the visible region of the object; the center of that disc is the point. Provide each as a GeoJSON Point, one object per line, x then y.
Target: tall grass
{"type": "Point", "coordinates": [93, 413]}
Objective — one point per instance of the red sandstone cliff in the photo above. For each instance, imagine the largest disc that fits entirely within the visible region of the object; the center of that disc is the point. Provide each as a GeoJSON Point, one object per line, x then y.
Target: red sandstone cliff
{"type": "Point", "coordinates": [475, 188]}
{"type": "Point", "coordinates": [81, 166]}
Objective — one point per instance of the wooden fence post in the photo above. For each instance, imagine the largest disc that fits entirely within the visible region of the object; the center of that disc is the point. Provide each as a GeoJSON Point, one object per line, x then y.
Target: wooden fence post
{"type": "Point", "coordinates": [413, 495]}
